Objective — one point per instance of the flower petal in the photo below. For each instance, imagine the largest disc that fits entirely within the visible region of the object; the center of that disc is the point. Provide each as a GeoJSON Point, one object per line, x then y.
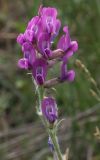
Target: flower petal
{"type": "Point", "coordinates": [63, 70]}
{"type": "Point", "coordinates": [29, 52]}
{"type": "Point", "coordinates": [43, 43]}
{"type": "Point", "coordinates": [29, 34]}
{"type": "Point", "coordinates": [39, 70]}
{"type": "Point", "coordinates": [74, 46]}
{"type": "Point", "coordinates": [21, 39]}
{"type": "Point", "coordinates": [23, 63]}
{"type": "Point", "coordinates": [49, 109]}
{"type": "Point", "coordinates": [67, 55]}
{"type": "Point", "coordinates": [66, 75]}
{"type": "Point", "coordinates": [70, 75]}
{"type": "Point", "coordinates": [64, 42]}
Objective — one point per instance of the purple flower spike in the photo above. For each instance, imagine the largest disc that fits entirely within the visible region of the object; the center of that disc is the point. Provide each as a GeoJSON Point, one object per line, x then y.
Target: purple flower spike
{"type": "Point", "coordinates": [39, 70]}
{"type": "Point", "coordinates": [23, 63]}
{"type": "Point", "coordinates": [66, 75]}
{"type": "Point", "coordinates": [49, 109]}
{"type": "Point", "coordinates": [36, 43]}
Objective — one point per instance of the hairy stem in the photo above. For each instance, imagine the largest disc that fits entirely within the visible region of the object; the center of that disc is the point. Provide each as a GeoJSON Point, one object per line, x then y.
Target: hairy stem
{"type": "Point", "coordinates": [55, 143]}
{"type": "Point", "coordinates": [51, 132]}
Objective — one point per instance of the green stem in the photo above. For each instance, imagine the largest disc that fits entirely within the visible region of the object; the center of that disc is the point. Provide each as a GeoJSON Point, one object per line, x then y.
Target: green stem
{"type": "Point", "coordinates": [39, 94]}
{"type": "Point", "coordinates": [51, 132]}
{"type": "Point", "coordinates": [55, 143]}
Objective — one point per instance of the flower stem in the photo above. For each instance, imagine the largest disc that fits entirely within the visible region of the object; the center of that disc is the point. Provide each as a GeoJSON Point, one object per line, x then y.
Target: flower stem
{"type": "Point", "coordinates": [51, 131]}
{"type": "Point", "coordinates": [55, 143]}
{"type": "Point", "coordinates": [52, 134]}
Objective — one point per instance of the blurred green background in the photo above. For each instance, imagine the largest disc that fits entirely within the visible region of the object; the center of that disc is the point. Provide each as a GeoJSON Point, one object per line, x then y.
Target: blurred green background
{"type": "Point", "coordinates": [22, 136]}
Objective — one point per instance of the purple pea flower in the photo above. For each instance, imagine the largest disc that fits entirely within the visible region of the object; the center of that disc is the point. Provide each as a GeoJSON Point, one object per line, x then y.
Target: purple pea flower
{"type": "Point", "coordinates": [34, 28]}
{"type": "Point", "coordinates": [39, 70]}
{"type": "Point", "coordinates": [68, 46]}
{"type": "Point", "coordinates": [49, 19]}
{"type": "Point", "coordinates": [44, 44]}
{"type": "Point", "coordinates": [32, 31]}
{"type": "Point", "coordinates": [29, 56]}
{"type": "Point", "coordinates": [66, 75]}
{"type": "Point", "coordinates": [49, 109]}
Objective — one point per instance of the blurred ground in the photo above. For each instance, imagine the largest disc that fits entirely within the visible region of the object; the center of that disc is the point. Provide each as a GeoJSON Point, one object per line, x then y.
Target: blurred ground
{"type": "Point", "coordinates": [22, 135]}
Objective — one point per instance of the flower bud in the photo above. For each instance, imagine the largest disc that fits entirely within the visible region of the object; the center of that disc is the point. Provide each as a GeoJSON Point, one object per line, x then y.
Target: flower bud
{"type": "Point", "coordinates": [49, 109]}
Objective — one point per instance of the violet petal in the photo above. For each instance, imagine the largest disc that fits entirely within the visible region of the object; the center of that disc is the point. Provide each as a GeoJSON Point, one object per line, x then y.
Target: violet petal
{"type": "Point", "coordinates": [21, 39]}
{"type": "Point", "coordinates": [49, 109]}
{"type": "Point", "coordinates": [43, 43]}
{"type": "Point", "coordinates": [23, 63]}
{"type": "Point", "coordinates": [39, 70]}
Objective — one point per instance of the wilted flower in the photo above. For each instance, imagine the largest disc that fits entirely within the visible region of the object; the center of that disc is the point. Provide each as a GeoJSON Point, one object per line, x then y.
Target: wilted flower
{"type": "Point", "coordinates": [49, 109]}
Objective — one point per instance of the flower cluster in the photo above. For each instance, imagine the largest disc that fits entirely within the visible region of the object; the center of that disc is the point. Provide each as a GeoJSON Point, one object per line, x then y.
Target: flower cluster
{"type": "Point", "coordinates": [38, 56]}
{"type": "Point", "coordinates": [36, 43]}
